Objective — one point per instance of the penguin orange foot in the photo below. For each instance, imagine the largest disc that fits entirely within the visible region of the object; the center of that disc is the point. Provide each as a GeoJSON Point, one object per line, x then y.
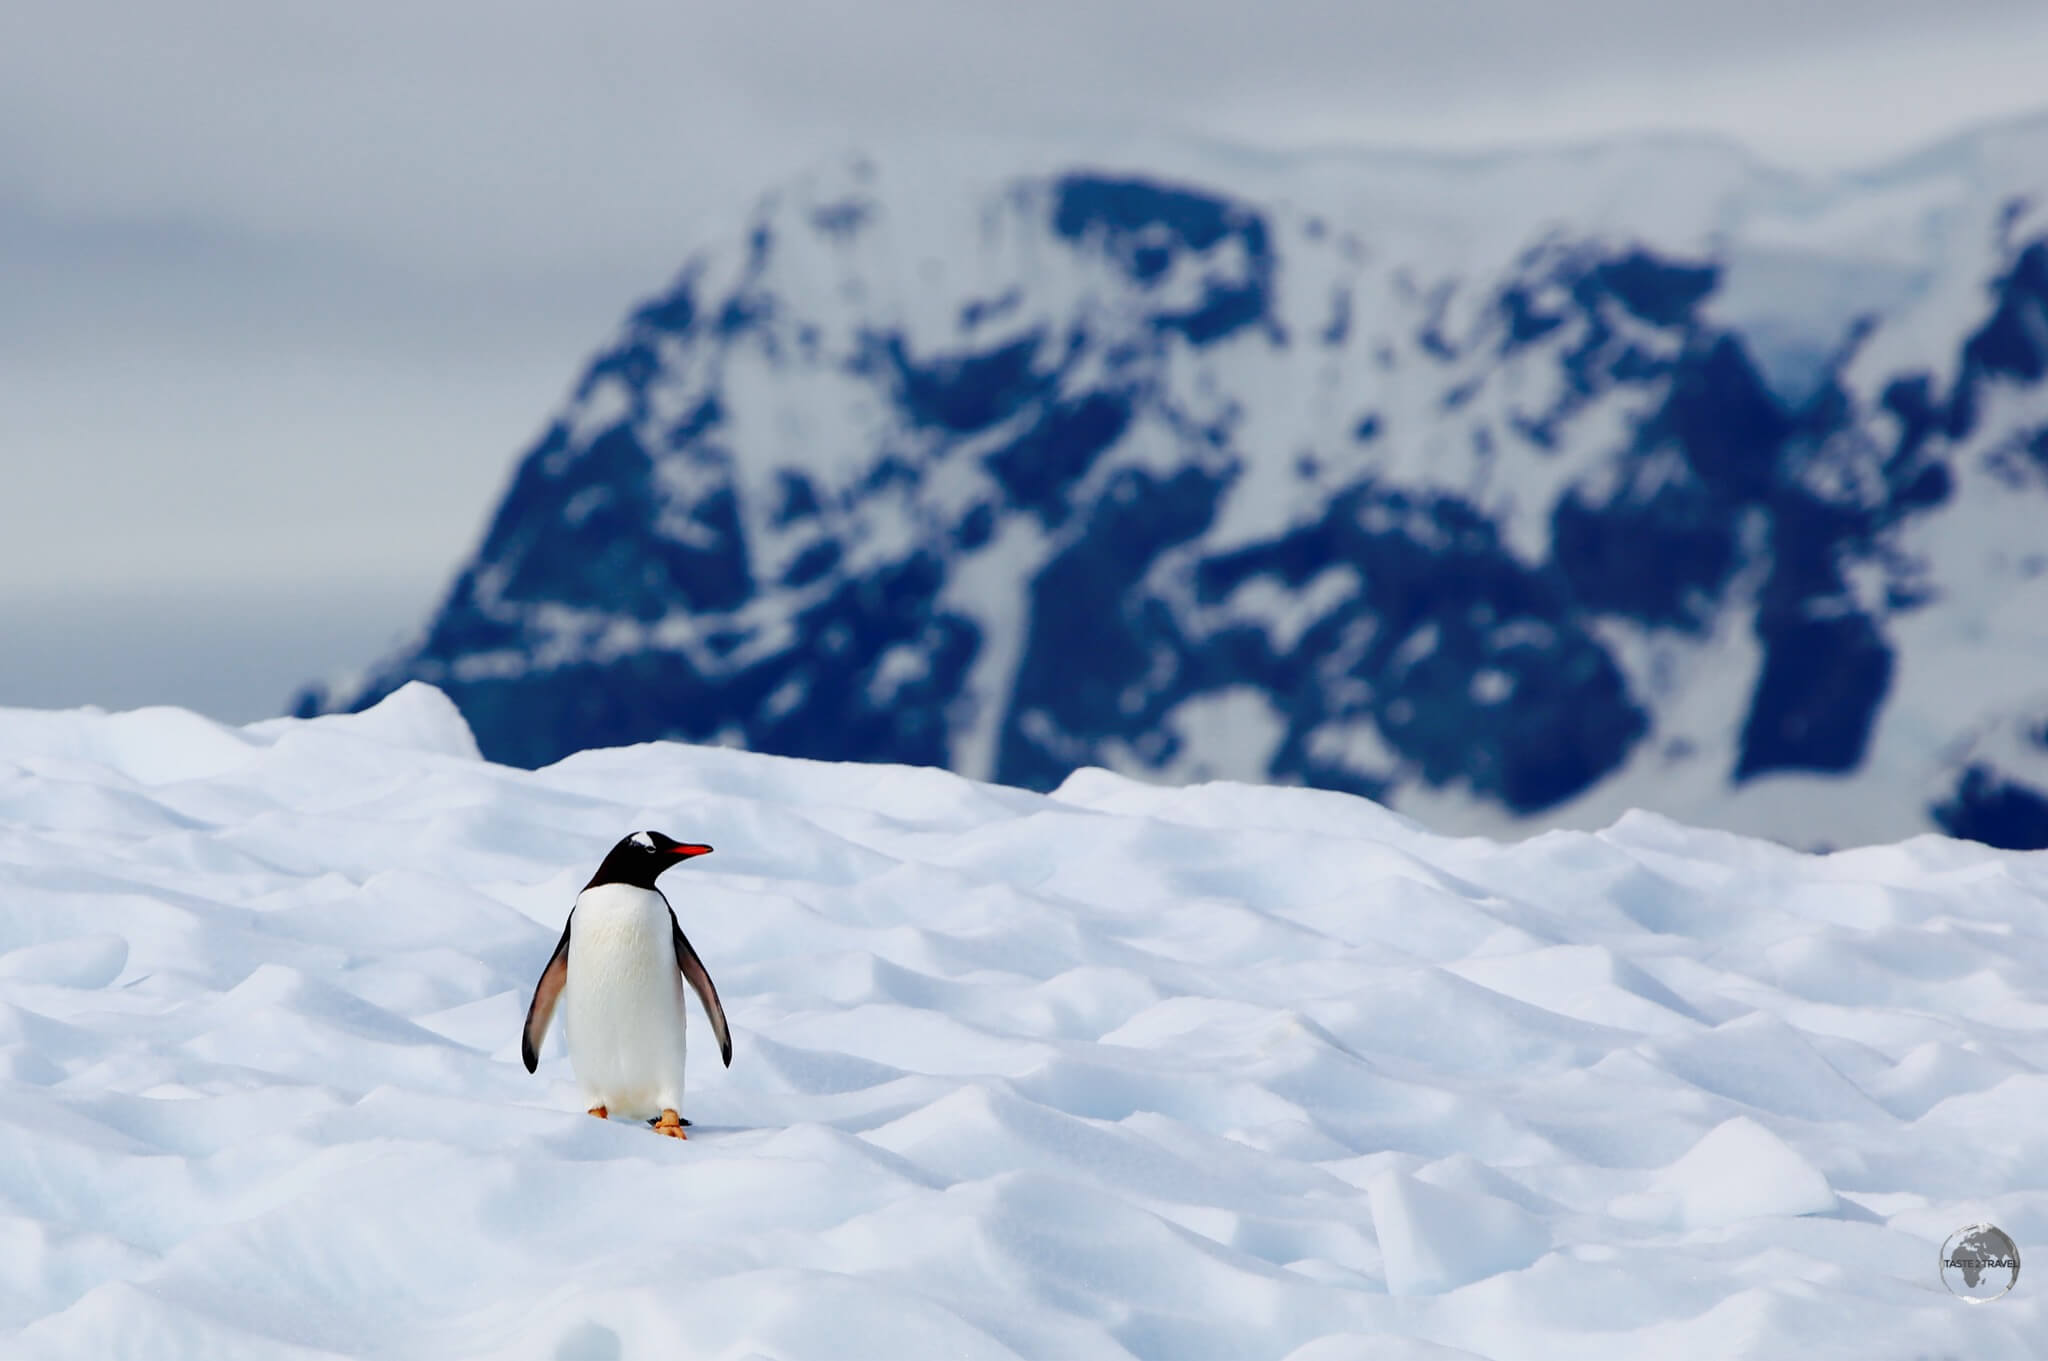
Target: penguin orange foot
{"type": "Point", "coordinates": [671, 1124]}
{"type": "Point", "coordinates": [600, 1112]}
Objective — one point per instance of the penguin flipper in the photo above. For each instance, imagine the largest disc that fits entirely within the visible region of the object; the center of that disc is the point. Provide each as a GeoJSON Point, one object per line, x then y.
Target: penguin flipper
{"type": "Point", "coordinates": [546, 993]}
{"type": "Point", "coordinates": [707, 992]}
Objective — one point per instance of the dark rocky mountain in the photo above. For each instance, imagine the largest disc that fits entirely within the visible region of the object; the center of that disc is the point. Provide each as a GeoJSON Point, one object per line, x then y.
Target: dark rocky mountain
{"type": "Point", "coordinates": [1526, 488]}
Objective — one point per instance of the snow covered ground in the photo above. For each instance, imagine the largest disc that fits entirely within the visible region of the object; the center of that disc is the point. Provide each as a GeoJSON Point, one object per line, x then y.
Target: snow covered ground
{"type": "Point", "coordinates": [1125, 1071]}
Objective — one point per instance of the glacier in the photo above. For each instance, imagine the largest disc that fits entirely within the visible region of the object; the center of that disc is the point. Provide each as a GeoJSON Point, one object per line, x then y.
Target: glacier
{"type": "Point", "coordinates": [1511, 491]}
{"type": "Point", "coordinates": [1115, 1071]}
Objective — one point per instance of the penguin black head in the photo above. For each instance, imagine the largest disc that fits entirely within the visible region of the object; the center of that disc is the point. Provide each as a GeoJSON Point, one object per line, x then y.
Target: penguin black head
{"type": "Point", "coordinates": [640, 858]}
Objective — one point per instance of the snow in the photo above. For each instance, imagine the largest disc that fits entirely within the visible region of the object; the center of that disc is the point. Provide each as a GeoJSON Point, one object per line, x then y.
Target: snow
{"type": "Point", "coordinates": [1122, 1071]}
{"type": "Point", "coordinates": [1739, 1171]}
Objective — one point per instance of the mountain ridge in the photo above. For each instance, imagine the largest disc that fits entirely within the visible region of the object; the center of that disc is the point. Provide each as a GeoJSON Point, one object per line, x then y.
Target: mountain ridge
{"type": "Point", "coordinates": [1464, 511]}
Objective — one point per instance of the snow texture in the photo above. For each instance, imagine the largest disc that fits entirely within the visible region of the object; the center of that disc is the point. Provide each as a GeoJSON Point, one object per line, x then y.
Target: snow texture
{"type": "Point", "coordinates": [1118, 1071]}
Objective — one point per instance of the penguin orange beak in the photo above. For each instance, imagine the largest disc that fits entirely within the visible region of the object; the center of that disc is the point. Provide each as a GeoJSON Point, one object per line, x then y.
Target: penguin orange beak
{"type": "Point", "coordinates": [686, 851]}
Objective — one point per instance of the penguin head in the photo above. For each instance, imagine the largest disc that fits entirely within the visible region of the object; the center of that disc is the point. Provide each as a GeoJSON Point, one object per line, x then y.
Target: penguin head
{"type": "Point", "coordinates": [640, 858]}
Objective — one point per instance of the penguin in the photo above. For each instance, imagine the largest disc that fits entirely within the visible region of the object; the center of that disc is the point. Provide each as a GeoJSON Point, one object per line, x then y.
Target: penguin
{"type": "Point", "coordinates": [619, 969]}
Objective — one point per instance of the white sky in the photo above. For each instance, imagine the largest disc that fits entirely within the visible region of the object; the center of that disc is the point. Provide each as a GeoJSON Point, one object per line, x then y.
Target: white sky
{"type": "Point", "coordinates": [288, 286]}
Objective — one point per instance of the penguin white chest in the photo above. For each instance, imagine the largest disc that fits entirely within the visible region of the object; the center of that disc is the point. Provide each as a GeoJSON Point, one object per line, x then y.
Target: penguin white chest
{"type": "Point", "coordinates": [623, 1002]}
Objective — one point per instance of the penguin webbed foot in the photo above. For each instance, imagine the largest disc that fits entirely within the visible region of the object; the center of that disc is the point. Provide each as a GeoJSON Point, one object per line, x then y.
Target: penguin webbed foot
{"type": "Point", "coordinates": [670, 1124]}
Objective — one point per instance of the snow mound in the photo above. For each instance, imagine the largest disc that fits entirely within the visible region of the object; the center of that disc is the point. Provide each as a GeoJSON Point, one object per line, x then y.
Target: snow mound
{"type": "Point", "coordinates": [1740, 1170]}
{"type": "Point", "coordinates": [1434, 1239]}
{"type": "Point", "coordinates": [1119, 1072]}
{"type": "Point", "coordinates": [415, 717]}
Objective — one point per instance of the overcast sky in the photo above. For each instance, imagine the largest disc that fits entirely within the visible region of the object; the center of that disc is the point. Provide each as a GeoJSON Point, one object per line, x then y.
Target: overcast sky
{"type": "Point", "coordinates": [288, 286]}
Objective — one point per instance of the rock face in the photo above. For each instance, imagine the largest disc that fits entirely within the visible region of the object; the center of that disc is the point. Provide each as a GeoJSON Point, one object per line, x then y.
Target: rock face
{"type": "Point", "coordinates": [1503, 490]}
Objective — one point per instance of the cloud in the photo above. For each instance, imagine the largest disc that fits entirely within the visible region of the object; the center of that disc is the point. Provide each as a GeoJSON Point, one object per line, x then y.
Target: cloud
{"type": "Point", "coordinates": [510, 135]}
{"type": "Point", "coordinates": [448, 133]}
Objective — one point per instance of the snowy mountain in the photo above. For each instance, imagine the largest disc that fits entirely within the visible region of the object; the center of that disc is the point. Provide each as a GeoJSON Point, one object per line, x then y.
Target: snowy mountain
{"type": "Point", "coordinates": [1118, 1073]}
{"type": "Point", "coordinates": [1532, 487]}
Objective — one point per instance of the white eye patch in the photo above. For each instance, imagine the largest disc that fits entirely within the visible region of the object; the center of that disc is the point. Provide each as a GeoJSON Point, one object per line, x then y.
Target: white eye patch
{"type": "Point", "coordinates": [643, 840]}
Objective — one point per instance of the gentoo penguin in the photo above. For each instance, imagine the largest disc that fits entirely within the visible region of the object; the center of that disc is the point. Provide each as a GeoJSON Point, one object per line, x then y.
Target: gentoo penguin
{"type": "Point", "coordinates": [620, 967]}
